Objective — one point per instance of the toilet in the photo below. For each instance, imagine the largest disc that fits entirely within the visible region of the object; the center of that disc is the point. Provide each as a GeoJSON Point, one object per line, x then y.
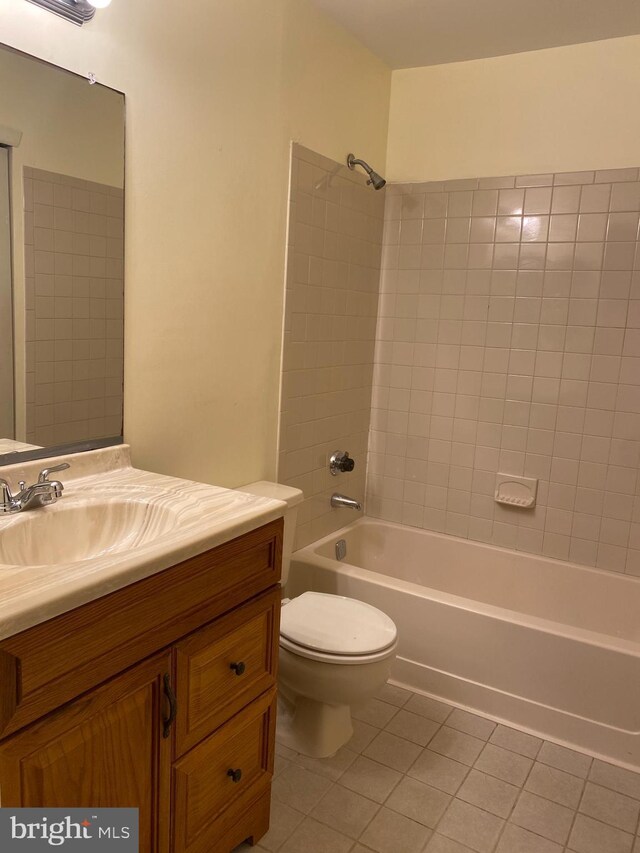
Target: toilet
{"type": "Point", "coordinates": [335, 652]}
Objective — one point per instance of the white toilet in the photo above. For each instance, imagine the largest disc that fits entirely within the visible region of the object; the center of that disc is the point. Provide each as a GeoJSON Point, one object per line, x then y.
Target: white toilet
{"type": "Point", "coordinates": [335, 652]}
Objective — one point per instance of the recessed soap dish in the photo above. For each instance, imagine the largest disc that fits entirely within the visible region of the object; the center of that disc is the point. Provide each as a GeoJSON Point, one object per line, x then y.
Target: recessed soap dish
{"type": "Point", "coordinates": [518, 492]}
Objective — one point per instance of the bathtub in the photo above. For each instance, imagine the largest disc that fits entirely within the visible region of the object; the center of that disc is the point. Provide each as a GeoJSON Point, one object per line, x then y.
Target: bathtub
{"type": "Point", "coordinates": [548, 646]}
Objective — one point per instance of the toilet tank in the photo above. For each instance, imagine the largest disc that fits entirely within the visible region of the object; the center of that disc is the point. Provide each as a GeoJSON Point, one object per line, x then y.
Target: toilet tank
{"type": "Point", "coordinates": [293, 498]}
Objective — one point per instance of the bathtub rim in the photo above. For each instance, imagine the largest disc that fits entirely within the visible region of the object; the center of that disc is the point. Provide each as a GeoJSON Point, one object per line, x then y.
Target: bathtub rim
{"type": "Point", "coordinates": [309, 554]}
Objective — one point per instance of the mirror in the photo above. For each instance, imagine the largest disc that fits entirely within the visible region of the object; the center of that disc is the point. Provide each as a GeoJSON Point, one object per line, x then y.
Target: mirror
{"type": "Point", "coordinates": [61, 260]}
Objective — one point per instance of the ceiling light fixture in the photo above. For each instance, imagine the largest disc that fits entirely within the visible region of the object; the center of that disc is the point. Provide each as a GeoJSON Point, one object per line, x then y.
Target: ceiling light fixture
{"type": "Point", "coordinates": [76, 11]}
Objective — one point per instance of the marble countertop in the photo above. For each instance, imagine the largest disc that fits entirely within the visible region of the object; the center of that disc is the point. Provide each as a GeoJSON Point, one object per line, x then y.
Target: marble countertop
{"type": "Point", "coordinates": [205, 516]}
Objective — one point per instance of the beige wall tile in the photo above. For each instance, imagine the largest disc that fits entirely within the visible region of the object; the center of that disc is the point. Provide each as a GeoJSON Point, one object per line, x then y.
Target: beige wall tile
{"type": "Point", "coordinates": [60, 246]}
{"type": "Point", "coordinates": [512, 343]}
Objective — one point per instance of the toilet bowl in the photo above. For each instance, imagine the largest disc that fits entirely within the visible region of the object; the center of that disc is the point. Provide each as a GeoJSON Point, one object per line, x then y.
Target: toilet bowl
{"type": "Point", "coordinates": [335, 652]}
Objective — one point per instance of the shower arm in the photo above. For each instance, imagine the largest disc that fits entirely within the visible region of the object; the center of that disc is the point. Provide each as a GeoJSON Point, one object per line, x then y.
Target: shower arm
{"type": "Point", "coordinates": [352, 162]}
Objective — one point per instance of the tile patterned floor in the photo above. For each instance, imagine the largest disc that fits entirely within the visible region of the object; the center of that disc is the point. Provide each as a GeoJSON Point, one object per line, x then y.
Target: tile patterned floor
{"type": "Point", "coordinates": [419, 776]}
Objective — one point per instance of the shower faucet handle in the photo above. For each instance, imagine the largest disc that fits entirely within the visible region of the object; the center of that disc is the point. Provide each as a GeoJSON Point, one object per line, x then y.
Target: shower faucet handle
{"type": "Point", "coordinates": [341, 462]}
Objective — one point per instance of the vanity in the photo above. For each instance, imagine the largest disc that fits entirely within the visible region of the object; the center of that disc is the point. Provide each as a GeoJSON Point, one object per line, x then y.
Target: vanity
{"type": "Point", "coordinates": [151, 681]}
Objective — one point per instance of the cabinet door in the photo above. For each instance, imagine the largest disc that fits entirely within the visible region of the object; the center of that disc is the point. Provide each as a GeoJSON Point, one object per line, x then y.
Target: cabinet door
{"type": "Point", "coordinates": [104, 750]}
{"type": "Point", "coordinates": [220, 785]}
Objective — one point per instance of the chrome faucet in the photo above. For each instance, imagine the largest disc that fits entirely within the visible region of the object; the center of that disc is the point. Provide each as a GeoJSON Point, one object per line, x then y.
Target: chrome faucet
{"type": "Point", "coordinates": [42, 493]}
{"type": "Point", "coordinates": [343, 500]}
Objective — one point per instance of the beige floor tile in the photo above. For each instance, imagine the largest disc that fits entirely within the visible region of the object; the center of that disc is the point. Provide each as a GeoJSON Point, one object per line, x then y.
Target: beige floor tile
{"type": "Point", "coordinates": [427, 707]}
{"type": "Point", "coordinates": [418, 801]}
{"type": "Point", "coordinates": [299, 789]}
{"type": "Point", "coordinates": [284, 751]}
{"type": "Point", "coordinates": [610, 807]}
{"type": "Point", "coordinates": [390, 832]}
{"type": "Point", "coordinates": [397, 696]}
{"type": "Point", "coordinates": [515, 839]}
{"type": "Point", "coordinates": [370, 779]}
{"type": "Point", "coordinates": [439, 771]}
{"type": "Point", "coordinates": [345, 811]}
{"type": "Point", "coordinates": [413, 727]}
{"type": "Point", "coordinates": [440, 844]}
{"type": "Point", "coordinates": [393, 751]}
{"type": "Point", "coordinates": [314, 837]}
{"type": "Point", "coordinates": [505, 765]}
{"type": "Point", "coordinates": [408, 783]}
{"type": "Point", "coordinates": [565, 759]}
{"type": "Point", "coordinates": [543, 817]}
{"type": "Point", "coordinates": [488, 793]}
{"type": "Point", "coordinates": [555, 785]}
{"type": "Point", "coordinates": [471, 724]}
{"type": "Point", "coordinates": [516, 741]}
{"type": "Point", "coordinates": [616, 778]}
{"type": "Point", "coordinates": [333, 767]}
{"type": "Point", "coordinates": [280, 764]}
{"type": "Point", "coordinates": [456, 745]}
{"type": "Point", "coordinates": [362, 736]}
{"type": "Point", "coordinates": [284, 820]}
{"type": "Point", "coordinates": [591, 836]}
{"type": "Point", "coordinates": [469, 825]}
{"type": "Point", "coordinates": [375, 713]}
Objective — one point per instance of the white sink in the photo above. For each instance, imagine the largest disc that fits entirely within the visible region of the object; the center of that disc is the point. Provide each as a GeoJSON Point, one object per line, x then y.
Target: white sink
{"type": "Point", "coordinates": [112, 526]}
{"type": "Point", "coordinates": [71, 533]}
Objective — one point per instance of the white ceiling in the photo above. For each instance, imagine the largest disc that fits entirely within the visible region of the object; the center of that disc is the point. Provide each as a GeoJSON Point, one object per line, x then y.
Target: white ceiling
{"type": "Point", "coordinates": [408, 33]}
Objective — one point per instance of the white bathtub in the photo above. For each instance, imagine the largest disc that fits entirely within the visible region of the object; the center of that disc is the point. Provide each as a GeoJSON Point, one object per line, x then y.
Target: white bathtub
{"type": "Point", "coordinates": [548, 646]}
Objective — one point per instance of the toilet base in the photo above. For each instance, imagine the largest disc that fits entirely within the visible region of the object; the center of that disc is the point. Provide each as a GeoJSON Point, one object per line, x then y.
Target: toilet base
{"type": "Point", "coordinates": [313, 728]}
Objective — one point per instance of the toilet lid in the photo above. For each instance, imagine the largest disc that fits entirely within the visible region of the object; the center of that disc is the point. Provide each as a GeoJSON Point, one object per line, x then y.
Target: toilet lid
{"type": "Point", "coordinates": [336, 625]}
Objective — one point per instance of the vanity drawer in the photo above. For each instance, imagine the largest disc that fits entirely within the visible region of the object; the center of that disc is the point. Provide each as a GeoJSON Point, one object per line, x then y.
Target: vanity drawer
{"type": "Point", "coordinates": [48, 665]}
{"type": "Point", "coordinates": [224, 666]}
{"type": "Point", "coordinates": [207, 800]}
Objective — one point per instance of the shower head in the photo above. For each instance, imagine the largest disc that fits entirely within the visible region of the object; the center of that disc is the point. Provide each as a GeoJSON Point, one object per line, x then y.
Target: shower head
{"type": "Point", "coordinates": [376, 180]}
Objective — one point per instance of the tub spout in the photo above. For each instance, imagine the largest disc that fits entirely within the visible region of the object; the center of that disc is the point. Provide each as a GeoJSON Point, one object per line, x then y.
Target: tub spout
{"type": "Point", "coordinates": [343, 500]}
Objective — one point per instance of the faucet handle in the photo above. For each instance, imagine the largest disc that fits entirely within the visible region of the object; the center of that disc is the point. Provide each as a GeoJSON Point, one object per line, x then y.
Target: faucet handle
{"type": "Point", "coordinates": [341, 461]}
{"type": "Point", "coordinates": [43, 476]}
{"type": "Point", "coordinates": [6, 497]}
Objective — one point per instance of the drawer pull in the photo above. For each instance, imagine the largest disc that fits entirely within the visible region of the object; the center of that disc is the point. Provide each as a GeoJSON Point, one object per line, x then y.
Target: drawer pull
{"type": "Point", "coordinates": [173, 707]}
{"type": "Point", "coordinates": [238, 668]}
{"type": "Point", "coordinates": [234, 775]}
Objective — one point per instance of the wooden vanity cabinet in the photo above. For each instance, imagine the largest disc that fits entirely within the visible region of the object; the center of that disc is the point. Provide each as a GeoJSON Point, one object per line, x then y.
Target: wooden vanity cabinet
{"type": "Point", "coordinates": [182, 728]}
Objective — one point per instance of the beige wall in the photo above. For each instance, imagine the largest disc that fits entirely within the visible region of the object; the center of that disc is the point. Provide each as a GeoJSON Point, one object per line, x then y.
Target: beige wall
{"type": "Point", "coordinates": [552, 110]}
{"type": "Point", "coordinates": [215, 92]}
{"type": "Point", "coordinates": [67, 125]}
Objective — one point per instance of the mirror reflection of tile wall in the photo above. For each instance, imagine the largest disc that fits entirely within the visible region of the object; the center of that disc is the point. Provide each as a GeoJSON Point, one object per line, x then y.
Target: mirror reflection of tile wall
{"type": "Point", "coordinates": [74, 237]}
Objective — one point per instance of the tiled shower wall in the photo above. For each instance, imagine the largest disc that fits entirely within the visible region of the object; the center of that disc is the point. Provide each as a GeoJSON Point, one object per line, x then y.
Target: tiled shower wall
{"type": "Point", "coordinates": [74, 235]}
{"type": "Point", "coordinates": [333, 272]}
{"type": "Point", "coordinates": [509, 340]}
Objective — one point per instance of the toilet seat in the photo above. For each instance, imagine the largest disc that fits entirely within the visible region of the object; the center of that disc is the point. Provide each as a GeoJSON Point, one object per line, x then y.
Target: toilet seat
{"type": "Point", "coordinates": [336, 629]}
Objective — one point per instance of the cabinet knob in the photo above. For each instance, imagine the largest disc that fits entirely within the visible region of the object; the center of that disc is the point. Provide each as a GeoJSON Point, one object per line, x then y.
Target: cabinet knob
{"type": "Point", "coordinates": [238, 668]}
{"type": "Point", "coordinates": [234, 775]}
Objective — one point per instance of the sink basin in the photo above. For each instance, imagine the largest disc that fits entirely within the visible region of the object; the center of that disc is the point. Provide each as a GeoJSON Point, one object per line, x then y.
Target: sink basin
{"type": "Point", "coordinates": [75, 532]}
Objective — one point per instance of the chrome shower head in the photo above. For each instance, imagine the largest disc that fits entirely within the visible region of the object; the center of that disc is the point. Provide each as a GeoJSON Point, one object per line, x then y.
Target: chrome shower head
{"type": "Point", "coordinates": [376, 180]}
